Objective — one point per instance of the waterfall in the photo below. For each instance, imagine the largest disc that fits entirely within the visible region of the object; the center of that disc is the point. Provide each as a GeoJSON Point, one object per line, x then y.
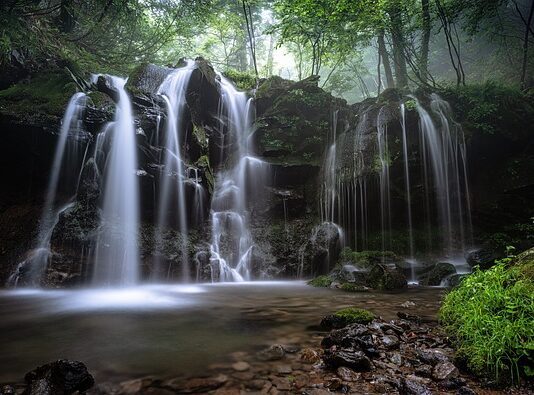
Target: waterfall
{"type": "Point", "coordinates": [172, 201]}
{"type": "Point", "coordinates": [443, 149]}
{"type": "Point", "coordinates": [235, 189]}
{"type": "Point", "coordinates": [359, 193]}
{"type": "Point", "coordinates": [116, 260]}
{"type": "Point", "coordinates": [66, 163]}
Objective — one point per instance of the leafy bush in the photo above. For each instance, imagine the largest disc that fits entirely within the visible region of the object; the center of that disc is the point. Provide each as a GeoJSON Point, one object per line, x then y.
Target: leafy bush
{"type": "Point", "coordinates": [491, 108]}
{"type": "Point", "coordinates": [321, 281]}
{"type": "Point", "coordinates": [491, 317]}
{"type": "Point", "coordinates": [354, 315]}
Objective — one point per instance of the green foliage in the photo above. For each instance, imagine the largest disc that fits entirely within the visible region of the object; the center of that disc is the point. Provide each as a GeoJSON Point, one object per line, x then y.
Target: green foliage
{"type": "Point", "coordinates": [243, 80]}
{"type": "Point", "coordinates": [491, 108]}
{"type": "Point", "coordinates": [355, 315]}
{"type": "Point", "coordinates": [491, 317]}
{"type": "Point", "coordinates": [320, 282]}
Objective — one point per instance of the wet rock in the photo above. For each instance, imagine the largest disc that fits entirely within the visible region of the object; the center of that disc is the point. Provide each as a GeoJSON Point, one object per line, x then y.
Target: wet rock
{"type": "Point", "coordinates": [332, 321]}
{"type": "Point", "coordinates": [241, 366]}
{"type": "Point", "coordinates": [273, 353]}
{"type": "Point", "coordinates": [281, 383]}
{"type": "Point", "coordinates": [350, 336]}
{"type": "Point", "coordinates": [396, 358]}
{"type": "Point", "coordinates": [310, 356]}
{"type": "Point", "coordinates": [412, 387]}
{"type": "Point", "coordinates": [437, 274]}
{"type": "Point", "coordinates": [135, 386]}
{"type": "Point", "coordinates": [432, 356]}
{"type": "Point", "coordinates": [354, 359]}
{"type": "Point", "coordinates": [195, 385]}
{"type": "Point", "coordinates": [465, 390]}
{"type": "Point", "coordinates": [347, 374]}
{"type": "Point", "coordinates": [484, 257]}
{"type": "Point", "coordinates": [452, 383]}
{"type": "Point", "coordinates": [424, 370]}
{"type": "Point", "coordinates": [62, 376]}
{"type": "Point", "coordinates": [8, 390]}
{"type": "Point", "coordinates": [283, 369]}
{"type": "Point", "coordinates": [390, 342]}
{"type": "Point", "coordinates": [444, 370]}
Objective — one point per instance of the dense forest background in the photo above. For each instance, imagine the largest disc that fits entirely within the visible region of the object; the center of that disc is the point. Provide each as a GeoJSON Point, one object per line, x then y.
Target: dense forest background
{"type": "Point", "coordinates": [358, 47]}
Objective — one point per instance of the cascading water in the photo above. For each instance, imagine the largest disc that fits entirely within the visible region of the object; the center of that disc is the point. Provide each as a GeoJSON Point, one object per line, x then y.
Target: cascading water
{"type": "Point", "coordinates": [116, 260]}
{"type": "Point", "coordinates": [444, 152]}
{"type": "Point", "coordinates": [441, 184]}
{"type": "Point", "coordinates": [171, 192]}
{"type": "Point", "coordinates": [66, 163]}
{"type": "Point", "coordinates": [232, 244]}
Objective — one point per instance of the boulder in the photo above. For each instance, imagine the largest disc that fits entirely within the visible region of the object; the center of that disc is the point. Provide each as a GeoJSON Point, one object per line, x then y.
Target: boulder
{"type": "Point", "coordinates": [59, 377]}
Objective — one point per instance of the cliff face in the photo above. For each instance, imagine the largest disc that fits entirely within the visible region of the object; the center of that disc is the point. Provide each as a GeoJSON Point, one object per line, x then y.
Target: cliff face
{"type": "Point", "coordinates": [297, 123]}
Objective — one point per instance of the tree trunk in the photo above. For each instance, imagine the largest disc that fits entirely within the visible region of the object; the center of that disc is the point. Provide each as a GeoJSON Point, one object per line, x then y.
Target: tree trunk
{"type": "Point", "coordinates": [390, 82]}
{"type": "Point", "coordinates": [270, 57]}
{"type": "Point", "coordinates": [397, 36]}
{"type": "Point", "coordinates": [425, 40]}
{"type": "Point", "coordinates": [525, 46]}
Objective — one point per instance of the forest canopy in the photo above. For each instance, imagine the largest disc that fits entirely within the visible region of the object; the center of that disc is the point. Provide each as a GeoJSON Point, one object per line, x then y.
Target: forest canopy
{"type": "Point", "coordinates": [357, 47]}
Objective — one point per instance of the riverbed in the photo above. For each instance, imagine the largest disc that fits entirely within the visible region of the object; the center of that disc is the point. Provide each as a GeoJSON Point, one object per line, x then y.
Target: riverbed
{"type": "Point", "coordinates": [174, 330]}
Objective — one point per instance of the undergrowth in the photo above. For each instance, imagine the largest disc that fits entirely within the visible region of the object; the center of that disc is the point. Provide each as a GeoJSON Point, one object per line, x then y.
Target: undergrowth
{"type": "Point", "coordinates": [491, 319]}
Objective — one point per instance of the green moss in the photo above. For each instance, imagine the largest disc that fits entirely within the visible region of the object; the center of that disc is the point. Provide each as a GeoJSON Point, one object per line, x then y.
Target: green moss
{"type": "Point", "coordinates": [242, 80]}
{"type": "Point", "coordinates": [491, 317]}
{"type": "Point", "coordinates": [45, 95]}
{"type": "Point", "coordinates": [321, 281]}
{"type": "Point", "coordinates": [491, 108]}
{"type": "Point", "coordinates": [355, 315]}
{"type": "Point", "coordinates": [349, 287]}
{"type": "Point", "coordinates": [366, 258]}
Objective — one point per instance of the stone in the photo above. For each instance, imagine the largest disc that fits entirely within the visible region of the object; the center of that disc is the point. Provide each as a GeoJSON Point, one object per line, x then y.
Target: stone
{"type": "Point", "coordinates": [444, 370]}
{"type": "Point", "coordinates": [390, 342]}
{"type": "Point", "coordinates": [412, 387]}
{"type": "Point", "coordinates": [283, 369]}
{"type": "Point", "coordinates": [196, 384]}
{"type": "Point", "coordinates": [396, 358]}
{"type": "Point", "coordinates": [241, 366]}
{"type": "Point", "coordinates": [347, 374]}
{"type": "Point", "coordinates": [61, 376]}
{"type": "Point", "coordinates": [273, 353]}
{"type": "Point", "coordinates": [350, 358]}
{"type": "Point", "coordinates": [465, 390]}
{"type": "Point", "coordinates": [281, 383]}
{"type": "Point", "coordinates": [432, 356]}
{"type": "Point", "coordinates": [135, 386]}
{"type": "Point", "coordinates": [255, 384]}
{"type": "Point", "coordinates": [309, 356]}
{"type": "Point", "coordinates": [424, 370]}
{"type": "Point", "coordinates": [7, 390]}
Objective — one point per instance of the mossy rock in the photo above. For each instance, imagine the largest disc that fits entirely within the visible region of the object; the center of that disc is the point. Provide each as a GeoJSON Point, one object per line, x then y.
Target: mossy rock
{"type": "Point", "coordinates": [321, 281]}
{"type": "Point", "coordinates": [387, 279]}
{"type": "Point", "coordinates": [242, 80]}
{"type": "Point", "coordinates": [350, 287]}
{"type": "Point", "coordinates": [438, 273]}
{"type": "Point", "coordinates": [41, 100]}
{"type": "Point", "coordinates": [347, 316]}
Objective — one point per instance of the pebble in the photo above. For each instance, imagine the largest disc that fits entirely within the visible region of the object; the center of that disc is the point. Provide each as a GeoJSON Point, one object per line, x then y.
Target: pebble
{"type": "Point", "coordinates": [241, 366]}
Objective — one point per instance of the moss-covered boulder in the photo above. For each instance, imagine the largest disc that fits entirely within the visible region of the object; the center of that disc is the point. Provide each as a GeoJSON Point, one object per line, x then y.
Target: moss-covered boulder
{"type": "Point", "coordinates": [439, 272]}
{"type": "Point", "coordinates": [39, 100]}
{"type": "Point", "coordinates": [347, 316]}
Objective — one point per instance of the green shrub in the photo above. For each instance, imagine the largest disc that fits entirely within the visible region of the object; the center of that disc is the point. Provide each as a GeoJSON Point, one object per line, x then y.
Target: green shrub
{"type": "Point", "coordinates": [491, 319]}
{"type": "Point", "coordinates": [354, 315]}
{"type": "Point", "coordinates": [321, 281]}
